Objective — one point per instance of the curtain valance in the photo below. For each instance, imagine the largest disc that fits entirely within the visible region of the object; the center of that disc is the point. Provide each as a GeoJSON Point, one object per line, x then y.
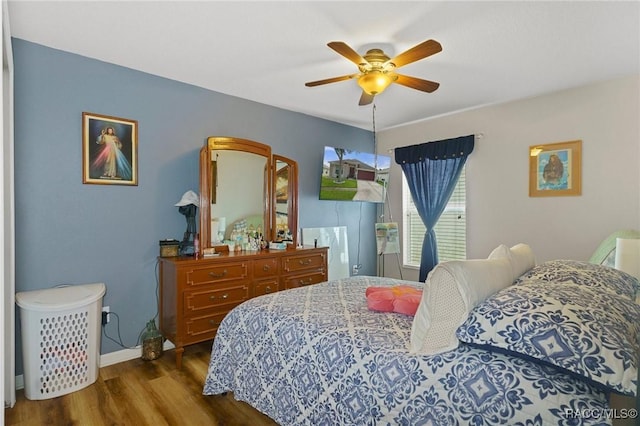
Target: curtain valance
{"type": "Point", "coordinates": [439, 150]}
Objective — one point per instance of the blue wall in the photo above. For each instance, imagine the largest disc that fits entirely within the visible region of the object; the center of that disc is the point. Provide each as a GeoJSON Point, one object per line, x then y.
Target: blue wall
{"type": "Point", "coordinates": [72, 233]}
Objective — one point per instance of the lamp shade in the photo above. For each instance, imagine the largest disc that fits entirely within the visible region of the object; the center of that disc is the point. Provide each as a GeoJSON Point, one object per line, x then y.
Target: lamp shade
{"type": "Point", "coordinates": [628, 256]}
{"type": "Point", "coordinates": [374, 82]}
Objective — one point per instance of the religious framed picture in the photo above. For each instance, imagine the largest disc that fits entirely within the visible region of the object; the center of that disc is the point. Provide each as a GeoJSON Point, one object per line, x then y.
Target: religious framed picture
{"type": "Point", "coordinates": [555, 169]}
{"type": "Point", "coordinates": [109, 150]}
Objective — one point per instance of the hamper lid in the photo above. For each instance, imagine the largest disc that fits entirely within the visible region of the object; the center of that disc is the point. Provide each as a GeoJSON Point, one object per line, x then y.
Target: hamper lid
{"type": "Point", "coordinates": [60, 298]}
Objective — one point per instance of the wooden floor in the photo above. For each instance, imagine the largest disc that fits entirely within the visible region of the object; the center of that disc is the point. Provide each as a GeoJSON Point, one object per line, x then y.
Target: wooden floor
{"type": "Point", "coordinates": [139, 392]}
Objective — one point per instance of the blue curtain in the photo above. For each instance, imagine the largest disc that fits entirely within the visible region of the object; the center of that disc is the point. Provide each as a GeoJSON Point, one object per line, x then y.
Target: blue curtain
{"type": "Point", "coordinates": [432, 170]}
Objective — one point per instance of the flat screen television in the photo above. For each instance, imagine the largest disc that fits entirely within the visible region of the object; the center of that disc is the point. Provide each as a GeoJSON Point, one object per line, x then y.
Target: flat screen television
{"type": "Point", "coordinates": [349, 175]}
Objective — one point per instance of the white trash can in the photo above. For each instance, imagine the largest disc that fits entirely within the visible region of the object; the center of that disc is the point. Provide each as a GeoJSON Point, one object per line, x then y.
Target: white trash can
{"type": "Point", "coordinates": [60, 338]}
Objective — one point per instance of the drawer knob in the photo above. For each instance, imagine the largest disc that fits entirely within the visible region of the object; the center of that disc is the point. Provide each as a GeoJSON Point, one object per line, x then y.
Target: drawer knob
{"type": "Point", "coordinates": [304, 262]}
{"type": "Point", "coordinates": [224, 296]}
{"type": "Point", "coordinates": [306, 282]}
{"type": "Point", "coordinates": [268, 289]}
{"type": "Point", "coordinates": [214, 275]}
{"type": "Point", "coordinates": [214, 323]}
{"type": "Point", "coordinates": [266, 268]}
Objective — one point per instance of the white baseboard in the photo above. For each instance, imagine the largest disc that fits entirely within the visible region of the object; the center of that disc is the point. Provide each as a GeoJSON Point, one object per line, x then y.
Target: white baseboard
{"type": "Point", "coordinates": [111, 358]}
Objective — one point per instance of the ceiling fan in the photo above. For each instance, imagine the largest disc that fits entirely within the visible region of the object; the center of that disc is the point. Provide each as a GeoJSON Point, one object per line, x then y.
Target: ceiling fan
{"type": "Point", "coordinates": [377, 70]}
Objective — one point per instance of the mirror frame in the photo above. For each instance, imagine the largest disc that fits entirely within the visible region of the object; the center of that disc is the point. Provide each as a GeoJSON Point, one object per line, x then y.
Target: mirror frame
{"type": "Point", "coordinates": [219, 143]}
{"type": "Point", "coordinates": [292, 201]}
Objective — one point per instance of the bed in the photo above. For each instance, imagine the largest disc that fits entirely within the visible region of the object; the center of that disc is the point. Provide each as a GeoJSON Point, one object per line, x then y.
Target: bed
{"type": "Point", "coordinates": [318, 355]}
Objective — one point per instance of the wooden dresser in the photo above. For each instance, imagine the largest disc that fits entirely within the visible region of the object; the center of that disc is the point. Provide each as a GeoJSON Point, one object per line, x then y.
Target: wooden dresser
{"type": "Point", "coordinates": [196, 294]}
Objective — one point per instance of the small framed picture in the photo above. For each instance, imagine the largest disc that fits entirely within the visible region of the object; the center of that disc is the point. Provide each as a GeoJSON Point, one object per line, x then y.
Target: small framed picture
{"type": "Point", "coordinates": [109, 150]}
{"type": "Point", "coordinates": [555, 169]}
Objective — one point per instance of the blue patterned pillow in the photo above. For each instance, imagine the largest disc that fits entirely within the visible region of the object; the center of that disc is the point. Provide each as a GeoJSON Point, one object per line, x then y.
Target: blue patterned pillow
{"type": "Point", "coordinates": [586, 274]}
{"type": "Point", "coordinates": [588, 333]}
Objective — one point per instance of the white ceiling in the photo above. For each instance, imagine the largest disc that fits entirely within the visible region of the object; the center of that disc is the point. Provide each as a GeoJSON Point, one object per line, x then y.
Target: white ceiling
{"type": "Point", "coordinates": [265, 51]}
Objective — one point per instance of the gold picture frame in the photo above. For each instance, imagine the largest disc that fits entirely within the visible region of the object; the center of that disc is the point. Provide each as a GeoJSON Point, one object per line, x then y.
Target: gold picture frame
{"type": "Point", "coordinates": [555, 169]}
{"type": "Point", "coordinates": [109, 150]}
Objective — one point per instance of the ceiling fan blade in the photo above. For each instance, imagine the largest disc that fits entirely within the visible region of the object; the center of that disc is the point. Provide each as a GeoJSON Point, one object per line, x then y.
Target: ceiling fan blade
{"type": "Point", "coordinates": [346, 51]}
{"type": "Point", "coordinates": [417, 83]}
{"type": "Point", "coordinates": [365, 98]}
{"type": "Point", "coordinates": [330, 80]}
{"type": "Point", "coordinates": [420, 51]}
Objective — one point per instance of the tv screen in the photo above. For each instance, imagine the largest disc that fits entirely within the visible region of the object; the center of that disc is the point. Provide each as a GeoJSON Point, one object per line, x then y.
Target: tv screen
{"type": "Point", "coordinates": [349, 175]}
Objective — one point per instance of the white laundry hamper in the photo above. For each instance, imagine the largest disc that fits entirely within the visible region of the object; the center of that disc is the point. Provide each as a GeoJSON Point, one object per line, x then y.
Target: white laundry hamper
{"type": "Point", "coordinates": [60, 338]}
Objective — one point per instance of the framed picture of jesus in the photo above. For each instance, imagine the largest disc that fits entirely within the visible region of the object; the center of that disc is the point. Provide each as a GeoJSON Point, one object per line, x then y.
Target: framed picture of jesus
{"type": "Point", "coordinates": [109, 150]}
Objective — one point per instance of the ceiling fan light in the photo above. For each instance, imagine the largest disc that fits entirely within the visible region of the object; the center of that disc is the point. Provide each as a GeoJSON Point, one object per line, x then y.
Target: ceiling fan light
{"type": "Point", "coordinates": [374, 82]}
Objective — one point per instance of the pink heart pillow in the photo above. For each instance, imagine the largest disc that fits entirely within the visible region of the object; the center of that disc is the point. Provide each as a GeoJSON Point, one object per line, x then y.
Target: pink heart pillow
{"type": "Point", "coordinates": [402, 299]}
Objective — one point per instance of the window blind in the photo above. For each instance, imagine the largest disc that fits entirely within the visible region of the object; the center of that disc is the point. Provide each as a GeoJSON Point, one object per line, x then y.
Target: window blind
{"type": "Point", "coordinates": [451, 229]}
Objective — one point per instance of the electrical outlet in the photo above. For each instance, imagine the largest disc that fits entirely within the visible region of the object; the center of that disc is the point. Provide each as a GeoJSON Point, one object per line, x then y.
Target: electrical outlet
{"type": "Point", "coordinates": [105, 315]}
{"type": "Point", "coordinates": [355, 269]}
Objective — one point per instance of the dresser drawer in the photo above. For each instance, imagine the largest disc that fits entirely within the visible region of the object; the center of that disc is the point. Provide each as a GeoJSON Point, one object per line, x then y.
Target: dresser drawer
{"type": "Point", "coordinates": [203, 327]}
{"type": "Point", "coordinates": [215, 297]}
{"type": "Point", "coordinates": [267, 286]}
{"type": "Point", "coordinates": [302, 280]}
{"type": "Point", "coordinates": [217, 273]}
{"type": "Point", "coordinates": [265, 267]}
{"type": "Point", "coordinates": [303, 262]}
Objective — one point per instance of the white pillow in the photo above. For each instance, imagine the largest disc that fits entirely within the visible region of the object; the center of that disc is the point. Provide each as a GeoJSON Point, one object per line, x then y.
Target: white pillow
{"type": "Point", "coordinates": [451, 291]}
{"type": "Point", "coordinates": [522, 259]}
{"type": "Point", "coordinates": [520, 256]}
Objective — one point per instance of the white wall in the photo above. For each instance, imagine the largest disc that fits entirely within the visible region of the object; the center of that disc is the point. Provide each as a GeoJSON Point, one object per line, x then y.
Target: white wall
{"type": "Point", "coordinates": [605, 116]}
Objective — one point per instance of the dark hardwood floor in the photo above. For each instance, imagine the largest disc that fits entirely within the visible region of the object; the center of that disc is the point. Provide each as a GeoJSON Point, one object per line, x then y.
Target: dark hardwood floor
{"type": "Point", "coordinates": [139, 392]}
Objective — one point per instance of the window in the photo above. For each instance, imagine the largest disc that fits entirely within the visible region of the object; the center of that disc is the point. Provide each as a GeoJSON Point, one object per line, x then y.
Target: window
{"type": "Point", "coordinates": [451, 229]}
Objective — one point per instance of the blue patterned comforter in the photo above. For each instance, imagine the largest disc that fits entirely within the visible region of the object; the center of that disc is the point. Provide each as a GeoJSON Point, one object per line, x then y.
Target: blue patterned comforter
{"type": "Point", "coordinates": [317, 356]}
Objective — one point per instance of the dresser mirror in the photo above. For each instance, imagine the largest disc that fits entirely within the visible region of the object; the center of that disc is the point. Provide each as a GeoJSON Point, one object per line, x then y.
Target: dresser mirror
{"type": "Point", "coordinates": [242, 186]}
{"type": "Point", "coordinates": [285, 198]}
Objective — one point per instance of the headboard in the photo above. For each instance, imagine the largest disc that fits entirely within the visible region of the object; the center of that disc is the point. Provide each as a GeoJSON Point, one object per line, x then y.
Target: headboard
{"type": "Point", "coordinates": [605, 254]}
